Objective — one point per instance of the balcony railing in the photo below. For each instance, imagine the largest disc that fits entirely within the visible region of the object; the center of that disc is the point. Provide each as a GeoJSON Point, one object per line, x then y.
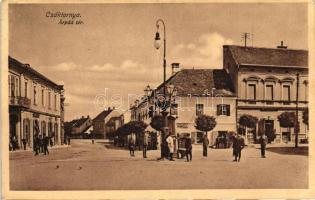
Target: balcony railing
{"type": "Point", "coordinates": [270, 102]}
{"type": "Point", "coordinates": [20, 102]}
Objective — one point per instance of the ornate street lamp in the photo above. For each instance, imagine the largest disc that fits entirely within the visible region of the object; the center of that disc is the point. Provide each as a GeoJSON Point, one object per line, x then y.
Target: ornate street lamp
{"type": "Point", "coordinates": [157, 45]}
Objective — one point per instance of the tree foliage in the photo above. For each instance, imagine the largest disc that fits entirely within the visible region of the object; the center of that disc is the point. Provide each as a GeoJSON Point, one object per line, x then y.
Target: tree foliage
{"type": "Point", "coordinates": [157, 122]}
{"type": "Point", "coordinates": [287, 119]}
{"type": "Point", "coordinates": [205, 123]}
{"type": "Point", "coordinates": [248, 121]}
{"type": "Point", "coordinates": [131, 127]}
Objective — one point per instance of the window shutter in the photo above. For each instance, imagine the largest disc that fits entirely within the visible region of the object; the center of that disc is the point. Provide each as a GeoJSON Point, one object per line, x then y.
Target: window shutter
{"type": "Point", "coordinates": [219, 110]}
{"type": "Point", "coordinates": [228, 110]}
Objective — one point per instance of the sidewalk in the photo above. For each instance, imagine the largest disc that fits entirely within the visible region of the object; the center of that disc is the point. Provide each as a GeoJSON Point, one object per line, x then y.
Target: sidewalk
{"type": "Point", "coordinates": [31, 149]}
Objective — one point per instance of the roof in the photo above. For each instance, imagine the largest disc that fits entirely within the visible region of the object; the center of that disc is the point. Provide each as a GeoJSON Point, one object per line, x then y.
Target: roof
{"type": "Point", "coordinates": [198, 82]}
{"type": "Point", "coordinates": [269, 56]}
{"type": "Point", "coordinates": [103, 114]}
{"type": "Point", "coordinates": [27, 68]}
{"type": "Point", "coordinates": [80, 121]}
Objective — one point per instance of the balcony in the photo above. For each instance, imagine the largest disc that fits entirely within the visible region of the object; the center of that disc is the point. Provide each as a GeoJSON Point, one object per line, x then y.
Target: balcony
{"type": "Point", "coordinates": [270, 103]}
{"type": "Point", "coordinates": [23, 102]}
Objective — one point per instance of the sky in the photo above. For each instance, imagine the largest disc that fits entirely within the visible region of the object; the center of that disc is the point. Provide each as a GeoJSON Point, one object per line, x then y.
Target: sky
{"type": "Point", "coordinates": [109, 58]}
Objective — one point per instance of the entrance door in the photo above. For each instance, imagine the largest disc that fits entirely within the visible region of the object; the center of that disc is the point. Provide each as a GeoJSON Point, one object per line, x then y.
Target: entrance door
{"type": "Point", "coordinates": [13, 121]}
{"type": "Point", "coordinates": [269, 129]}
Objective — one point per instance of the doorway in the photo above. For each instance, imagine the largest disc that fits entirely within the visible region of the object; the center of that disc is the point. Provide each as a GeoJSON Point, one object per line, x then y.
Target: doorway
{"type": "Point", "coordinates": [269, 129]}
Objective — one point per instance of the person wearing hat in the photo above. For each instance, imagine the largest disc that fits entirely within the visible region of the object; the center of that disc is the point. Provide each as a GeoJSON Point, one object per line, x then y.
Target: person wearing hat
{"type": "Point", "coordinates": [170, 145]}
{"type": "Point", "coordinates": [188, 146]}
{"type": "Point", "coordinates": [205, 144]}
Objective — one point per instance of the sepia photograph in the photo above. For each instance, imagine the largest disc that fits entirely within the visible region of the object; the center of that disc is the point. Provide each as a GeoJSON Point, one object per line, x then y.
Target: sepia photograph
{"type": "Point", "coordinates": [153, 96]}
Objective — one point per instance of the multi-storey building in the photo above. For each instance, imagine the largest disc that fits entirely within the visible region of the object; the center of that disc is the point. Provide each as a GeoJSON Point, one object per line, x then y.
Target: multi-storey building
{"type": "Point", "coordinates": [35, 104]}
{"type": "Point", "coordinates": [78, 127]}
{"type": "Point", "coordinates": [199, 91]}
{"type": "Point", "coordinates": [267, 81]}
{"type": "Point", "coordinates": [106, 123]}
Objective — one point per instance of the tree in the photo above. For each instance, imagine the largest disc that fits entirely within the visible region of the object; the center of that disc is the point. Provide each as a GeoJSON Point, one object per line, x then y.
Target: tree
{"type": "Point", "coordinates": [137, 127]}
{"type": "Point", "coordinates": [205, 123]}
{"type": "Point", "coordinates": [248, 121]}
{"type": "Point", "coordinates": [157, 122]}
{"type": "Point", "coordinates": [287, 119]}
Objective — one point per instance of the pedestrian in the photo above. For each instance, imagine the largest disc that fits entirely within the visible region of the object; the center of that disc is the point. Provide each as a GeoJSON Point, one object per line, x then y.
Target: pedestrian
{"type": "Point", "coordinates": [145, 144]}
{"type": "Point", "coordinates": [263, 143]}
{"type": "Point", "coordinates": [238, 145]}
{"type": "Point", "coordinates": [131, 144]}
{"type": "Point", "coordinates": [24, 143]}
{"type": "Point", "coordinates": [205, 144]}
{"type": "Point", "coordinates": [51, 141]}
{"type": "Point", "coordinates": [188, 146]}
{"type": "Point", "coordinates": [14, 143]}
{"type": "Point", "coordinates": [45, 145]}
{"type": "Point", "coordinates": [170, 145]}
{"type": "Point", "coordinates": [41, 140]}
{"type": "Point", "coordinates": [68, 137]}
{"type": "Point", "coordinates": [36, 145]}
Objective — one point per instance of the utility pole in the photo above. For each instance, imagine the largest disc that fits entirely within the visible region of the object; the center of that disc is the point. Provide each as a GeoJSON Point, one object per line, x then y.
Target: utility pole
{"type": "Point", "coordinates": [296, 130]}
{"type": "Point", "coordinates": [245, 37]}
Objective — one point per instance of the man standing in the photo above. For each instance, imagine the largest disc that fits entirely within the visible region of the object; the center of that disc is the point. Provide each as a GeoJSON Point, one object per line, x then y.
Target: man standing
{"type": "Point", "coordinates": [36, 144]}
{"type": "Point", "coordinates": [188, 147]}
{"type": "Point", "coordinates": [263, 143]}
{"type": "Point", "coordinates": [45, 144]}
{"type": "Point", "coordinates": [238, 145]}
{"type": "Point", "coordinates": [145, 144]}
{"type": "Point", "coordinates": [205, 144]}
{"type": "Point", "coordinates": [24, 143]}
{"type": "Point", "coordinates": [131, 144]}
{"type": "Point", "coordinates": [170, 145]}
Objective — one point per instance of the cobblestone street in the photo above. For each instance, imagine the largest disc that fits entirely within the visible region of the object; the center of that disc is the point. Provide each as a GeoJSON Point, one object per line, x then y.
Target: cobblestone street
{"type": "Point", "coordinates": [84, 166]}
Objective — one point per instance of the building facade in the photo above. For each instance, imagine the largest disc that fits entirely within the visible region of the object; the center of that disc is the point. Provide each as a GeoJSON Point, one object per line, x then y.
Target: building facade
{"type": "Point", "coordinates": [267, 82]}
{"type": "Point", "coordinates": [106, 123]}
{"type": "Point", "coordinates": [198, 91]}
{"type": "Point", "coordinates": [77, 128]}
{"type": "Point", "coordinates": [35, 105]}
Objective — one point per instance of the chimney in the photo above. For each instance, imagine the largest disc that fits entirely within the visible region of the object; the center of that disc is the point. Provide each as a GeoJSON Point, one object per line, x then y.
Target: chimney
{"type": "Point", "coordinates": [108, 108]}
{"type": "Point", "coordinates": [282, 46]}
{"type": "Point", "coordinates": [175, 68]}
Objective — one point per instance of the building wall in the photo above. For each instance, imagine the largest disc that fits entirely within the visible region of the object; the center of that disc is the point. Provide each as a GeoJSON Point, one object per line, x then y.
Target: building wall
{"type": "Point", "coordinates": [187, 114]}
{"type": "Point", "coordinates": [280, 78]}
{"type": "Point", "coordinates": [38, 110]}
{"type": "Point", "coordinates": [80, 129]}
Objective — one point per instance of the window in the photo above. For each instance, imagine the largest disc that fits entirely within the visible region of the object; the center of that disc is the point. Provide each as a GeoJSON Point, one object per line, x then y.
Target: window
{"type": "Point", "coordinates": [223, 109]}
{"type": "Point", "coordinates": [199, 109]}
{"type": "Point", "coordinates": [286, 96]}
{"type": "Point", "coordinates": [269, 94]}
{"type": "Point", "coordinates": [43, 96]}
{"type": "Point", "coordinates": [252, 92]}
{"type": "Point", "coordinates": [49, 99]}
{"type": "Point", "coordinates": [35, 100]}
{"type": "Point", "coordinates": [174, 107]}
{"type": "Point", "coordinates": [16, 86]}
{"type": "Point", "coordinates": [55, 99]}
{"type": "Point", "coordinates": [25, 89]}
{"type": "Point", "coordinates": [12, 86]}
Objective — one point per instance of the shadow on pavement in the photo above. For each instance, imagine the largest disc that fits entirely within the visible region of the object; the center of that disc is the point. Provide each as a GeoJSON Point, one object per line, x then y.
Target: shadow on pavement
{"type": "Point", "coordinates": [289, 150]}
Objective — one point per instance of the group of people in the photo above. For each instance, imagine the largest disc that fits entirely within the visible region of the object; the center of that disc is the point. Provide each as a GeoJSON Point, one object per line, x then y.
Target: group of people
{"type": "Point", "coordinates": [41, 144]}
{"type": "Point", "coordinates": [170, 144]}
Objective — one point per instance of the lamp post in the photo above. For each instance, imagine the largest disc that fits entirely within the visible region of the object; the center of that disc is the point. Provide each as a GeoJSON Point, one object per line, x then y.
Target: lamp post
{"type": "Point", "coordinates": [157, 45]}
